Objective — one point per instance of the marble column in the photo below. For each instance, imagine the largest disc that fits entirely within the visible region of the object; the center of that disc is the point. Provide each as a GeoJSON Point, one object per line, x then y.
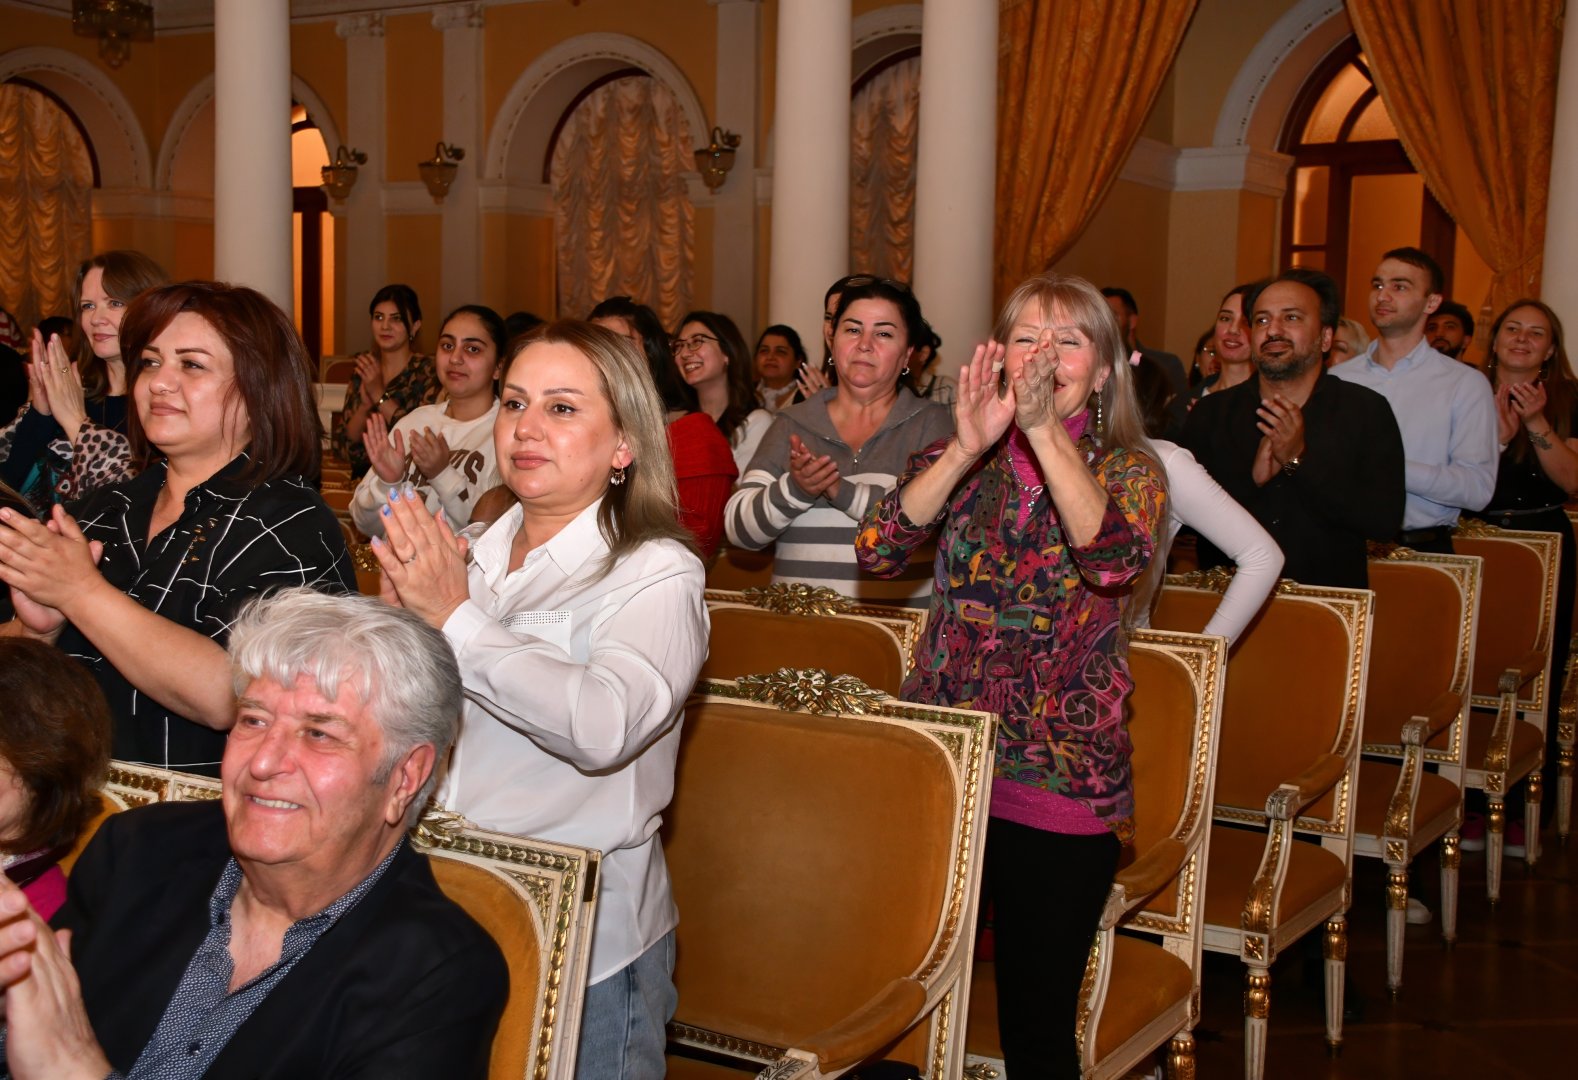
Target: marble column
{"type": "Point", "coordinates": [956, 172]}
{"type": "Point", "coordinates": [739, 98]}
{"type": "Point", "coordinates": [252, 183]}
{"type": "Point", "coordinates": [1559, 280]}
{"type": "Point", "coordinates": [810, 212]}
{"type": "Point", "coordinates": [460, 262]}
{"type": "Point", "coordinates": [365, 251]}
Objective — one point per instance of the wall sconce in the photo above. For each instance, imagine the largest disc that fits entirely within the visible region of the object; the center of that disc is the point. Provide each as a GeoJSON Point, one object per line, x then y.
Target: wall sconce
{"type": "Point", "coordinates": [715, 161]}
{"type": "Point", "coordinates": [340, 175]}
{"type": "Point", "coordinates": [440, 172]}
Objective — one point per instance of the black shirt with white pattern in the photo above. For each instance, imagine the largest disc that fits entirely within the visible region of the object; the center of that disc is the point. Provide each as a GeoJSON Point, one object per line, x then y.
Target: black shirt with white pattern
{"type": "Point", "coordinates": [232, 542]}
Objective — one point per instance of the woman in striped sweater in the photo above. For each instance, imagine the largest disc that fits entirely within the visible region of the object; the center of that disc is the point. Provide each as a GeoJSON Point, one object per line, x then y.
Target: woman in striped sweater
{"type": "Point", "coordinates": [825, 461]}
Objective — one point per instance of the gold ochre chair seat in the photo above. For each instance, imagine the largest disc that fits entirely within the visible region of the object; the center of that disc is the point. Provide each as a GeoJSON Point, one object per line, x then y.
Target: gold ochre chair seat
{"type": "Point", "coordinates": [1314, 874]}
{"type": "Point", "coordinates": [1528, 742]}
{"type": "Point", "coordinates": [1438, 798]}
{"type": "Point", "coordinates": [1155, 982]}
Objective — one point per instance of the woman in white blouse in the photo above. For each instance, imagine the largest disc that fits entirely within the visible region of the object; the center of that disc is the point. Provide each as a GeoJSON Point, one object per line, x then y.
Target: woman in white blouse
{"type": "Point", "coordinates": [580, 629]}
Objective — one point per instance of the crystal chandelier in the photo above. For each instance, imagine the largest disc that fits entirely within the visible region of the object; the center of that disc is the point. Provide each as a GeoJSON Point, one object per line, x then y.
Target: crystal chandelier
{"type": "Point", "coordinates": [116, 23]}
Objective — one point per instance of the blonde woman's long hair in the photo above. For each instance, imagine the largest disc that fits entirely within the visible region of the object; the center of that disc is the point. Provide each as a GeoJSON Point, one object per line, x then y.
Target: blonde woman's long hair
{"type": "Point", "coordinates": [1123, 425]}
{"type": "Point", "coordinates": [646, 506]}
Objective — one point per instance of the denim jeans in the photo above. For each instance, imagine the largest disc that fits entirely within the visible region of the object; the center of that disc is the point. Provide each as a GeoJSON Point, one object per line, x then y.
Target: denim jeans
{"type": "Point", "coordinates": [623, 1027]}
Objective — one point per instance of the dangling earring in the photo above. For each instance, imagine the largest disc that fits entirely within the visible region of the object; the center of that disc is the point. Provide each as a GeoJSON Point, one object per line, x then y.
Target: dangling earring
{"type": "Point", "coordinates": [1099, 418]}
{"type": "Point", "coordinates": [617, 477]}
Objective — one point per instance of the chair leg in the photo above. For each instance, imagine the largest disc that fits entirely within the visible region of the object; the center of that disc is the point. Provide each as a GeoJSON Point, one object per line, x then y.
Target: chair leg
{"type": "Point", "coordinates": [1336, 950]}
{"type": "Point", "coordinates": [1564, 789]}
{"type": "Point", "coordinates": [1450, 857]}
{"type": "Point", "coordinates": [1396, 920]}
{"type": "Point", "coordinates": [1257, 1008]}
{"type": "Point", "coordinates": [1180, 1056]}
{"type": "Point", "coordinates": [1495, 826]}
{"type": "Point", "coordinates": [1534, 791]}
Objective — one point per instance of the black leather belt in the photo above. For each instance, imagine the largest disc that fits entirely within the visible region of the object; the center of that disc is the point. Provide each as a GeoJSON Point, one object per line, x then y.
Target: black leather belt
{"type": "Point", "coordinates": [1434, 534]}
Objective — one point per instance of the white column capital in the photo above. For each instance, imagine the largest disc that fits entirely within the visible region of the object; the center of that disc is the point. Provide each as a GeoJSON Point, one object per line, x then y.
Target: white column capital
{"type": "Point", "coordinates": [368, 24]}
{"type": "Point", "coordinates": [468, 16]}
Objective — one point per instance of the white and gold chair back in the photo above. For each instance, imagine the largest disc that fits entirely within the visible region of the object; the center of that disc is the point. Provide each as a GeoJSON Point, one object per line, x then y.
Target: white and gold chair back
{"type": "Point", "coordinates": [759, 630]}
{"type": "Point", "coordinates": [824, 845]}
{"type": "Point", "coordinates": [1292, 719]}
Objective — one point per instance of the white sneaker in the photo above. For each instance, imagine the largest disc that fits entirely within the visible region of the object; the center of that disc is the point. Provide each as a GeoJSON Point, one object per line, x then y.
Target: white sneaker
{"type": "Point", "coordinates": [1418, 914]}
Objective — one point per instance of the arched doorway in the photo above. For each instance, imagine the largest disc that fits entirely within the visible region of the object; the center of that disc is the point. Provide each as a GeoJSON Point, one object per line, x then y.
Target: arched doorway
{"type": "Point", "coordinates": [47, 174]}
{"type": "Point", "coordinates": [1353, 194]}
{"type": "Point", "coordinates": [312, 235]}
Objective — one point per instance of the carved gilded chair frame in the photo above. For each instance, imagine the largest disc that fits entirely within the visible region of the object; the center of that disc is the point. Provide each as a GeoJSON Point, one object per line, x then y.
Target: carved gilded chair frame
{"type": "Point", "coordinates": [966, 740]}
{"type": "Point", "coordinates": [556, 884]}
{"type": "Point", "coordinates": [904, 624]}
{"type": "Point", "coordinates": [1567, 732]}
{"type": "Point", "coordinates": [1404, 832]}
{"type": "Point", "coordinates": [1178, 925]}
{"type": "Point", "coordinates": [1263, 928]}
{"type": "Point", "coordinates": [1520, 698]}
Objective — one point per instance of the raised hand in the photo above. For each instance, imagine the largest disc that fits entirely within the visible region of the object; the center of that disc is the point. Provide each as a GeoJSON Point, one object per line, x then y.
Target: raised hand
{"type": "Point", "coordinates": [980, 413]}
{"type": "Point", "coordinates": [813, 474]}
{"type": "Point", "coordinates": [385, 452]}
{"type": "Point", "coordinates": [423, 561]}
{"type": "Point", "coordinates": [430, 452]}
{"type": "Point", "coordinates": [1507, 419]}
{"type": "Point", "coordinates": [49, 565]}
{"type": "Point", "coordinates": [371, 370]}
{"type": "Point", "coordinates": [1528, 401]}
{"type": "Point", "coordinates": [61, 384]}
{"type": "Point", "coordinates": [811, 379]}
{"type": "Point", "coordinates": [1033, 390]}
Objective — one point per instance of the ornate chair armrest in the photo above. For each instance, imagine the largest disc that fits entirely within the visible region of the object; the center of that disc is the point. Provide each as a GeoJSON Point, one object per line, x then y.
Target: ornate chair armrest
{"type": "Point", "coordinates": [869, 1028]}
{"type": "Point", "coordinates": [1528, 666]}
{"type": "Point", "coordinates": [1436, 718]}
{"type": "Point", "coordinates": [1499, 750]}
{"type": "Point", "coordinates": [1143, 878]}
{"type": "Point", "coordinates": [1295, 794]}
{"type": "Point", "coordinates": [1567, 710]}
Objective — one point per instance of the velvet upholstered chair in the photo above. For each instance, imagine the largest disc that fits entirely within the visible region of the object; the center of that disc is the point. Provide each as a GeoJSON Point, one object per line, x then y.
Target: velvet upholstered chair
{"type": "Point", "coordinates": [1142, 988]}
{"type": "Point", "coordinates": [537, 900]}
{"type": "Point", "coordinates": [1281, 847]}
{"type": "Point", "coordinates": [825, 846]}
{"type": "Point", "coordinates": [759, 630]}
{"type": "Point", "coordinates": [1567, 733]}
{"type": "Point", "coordinates": [1416, 708]}
{"type": "Point", "coordinates": [1512, 678]}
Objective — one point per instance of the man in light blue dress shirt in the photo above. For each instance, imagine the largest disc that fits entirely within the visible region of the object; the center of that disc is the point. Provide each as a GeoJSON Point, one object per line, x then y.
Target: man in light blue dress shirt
{"type": "Point", "coordinates": [1444, 409]}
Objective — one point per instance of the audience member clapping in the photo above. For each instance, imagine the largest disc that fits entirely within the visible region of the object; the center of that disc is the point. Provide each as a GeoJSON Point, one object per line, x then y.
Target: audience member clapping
{"type": "Point", "coordinates": [391, 378]}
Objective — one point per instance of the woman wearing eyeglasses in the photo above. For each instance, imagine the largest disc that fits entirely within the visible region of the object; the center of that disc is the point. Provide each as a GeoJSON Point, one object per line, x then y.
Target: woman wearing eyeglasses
{"type": "Point", "coordinates": [715, 362]}
{"type": "Point", "coordinates": [825, 461]}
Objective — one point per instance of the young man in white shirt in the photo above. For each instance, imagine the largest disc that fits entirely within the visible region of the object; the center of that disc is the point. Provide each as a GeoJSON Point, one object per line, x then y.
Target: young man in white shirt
{"type": "Point", "coordinates": [1444, 409]}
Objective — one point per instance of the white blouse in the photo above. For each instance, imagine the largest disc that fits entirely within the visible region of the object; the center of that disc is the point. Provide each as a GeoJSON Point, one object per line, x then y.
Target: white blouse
{"type": "Point", "coordinates": [575, 687]}
{"type": "Point", "coordinates": [1196, 500]}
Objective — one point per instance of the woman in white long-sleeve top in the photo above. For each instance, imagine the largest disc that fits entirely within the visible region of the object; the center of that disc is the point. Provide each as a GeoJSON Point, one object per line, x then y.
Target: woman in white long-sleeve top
{"type": "Point", "coordinates": [580, 629]}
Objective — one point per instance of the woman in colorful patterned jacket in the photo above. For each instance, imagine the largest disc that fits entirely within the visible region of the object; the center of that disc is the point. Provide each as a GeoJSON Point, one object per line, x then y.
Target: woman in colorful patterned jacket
{"type": "Point", "coordinates": [1050, 505]}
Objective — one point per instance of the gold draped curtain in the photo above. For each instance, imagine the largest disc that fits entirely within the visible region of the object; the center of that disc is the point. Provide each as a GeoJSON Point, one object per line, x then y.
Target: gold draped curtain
{"type": "Point", "coordinates": [1075, 82]}
{"type": "Point", "coordinates": [623, 220]}
{"type": "Point", "coordinates": [884, 120]}
{"type": "Point", "coordinates": [1471, 87]}
{"type": "Point", "coordinates": [46, 198]}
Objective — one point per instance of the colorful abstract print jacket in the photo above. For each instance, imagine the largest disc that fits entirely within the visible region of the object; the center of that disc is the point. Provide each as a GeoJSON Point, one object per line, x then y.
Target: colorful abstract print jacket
{"type": "Point", "coordinates": [1026, 625]}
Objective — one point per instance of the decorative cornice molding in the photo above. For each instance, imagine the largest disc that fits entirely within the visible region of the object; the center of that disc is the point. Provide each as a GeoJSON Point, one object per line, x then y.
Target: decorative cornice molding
{"type": "Point", "coordinates": [1207, 168]}
{"type": "Point", "coordinates": [367, 24]}
{"type": "Point", "coordinates": [500, 196]}
{"type": "Point", "coordinates": [142, 203]}
{"type": "Point", "coordinates": [409, 197]}
{"type": "Point", "coordinates": [464, 16]}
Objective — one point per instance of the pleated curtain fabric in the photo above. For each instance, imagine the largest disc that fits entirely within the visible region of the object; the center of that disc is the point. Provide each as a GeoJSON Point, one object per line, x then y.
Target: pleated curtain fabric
{"type": "Point", "coordinates": [1075, 82]}
{"type": "Point", "coordinates": [884, 121]}
{"type": "Point", "coordinates": [1471, 87]}
{"type": "Point", "coordinates": [46, 205]}
{"type": "Point", "coordinates": [623, 219]}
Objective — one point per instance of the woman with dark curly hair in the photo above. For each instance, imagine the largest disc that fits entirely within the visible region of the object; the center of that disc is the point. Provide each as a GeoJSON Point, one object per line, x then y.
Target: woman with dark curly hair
{"type": "Point", "coordinates": [54, 754]}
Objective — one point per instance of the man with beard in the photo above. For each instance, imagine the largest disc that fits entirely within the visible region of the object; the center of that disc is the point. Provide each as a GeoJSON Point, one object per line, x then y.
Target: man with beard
{"type": "Point", "coordinates": [1449, 329]}
{"type": "Point", "coordinates": [1444, 409]}
{"type": "Point", "coordinates": [1317, 461]}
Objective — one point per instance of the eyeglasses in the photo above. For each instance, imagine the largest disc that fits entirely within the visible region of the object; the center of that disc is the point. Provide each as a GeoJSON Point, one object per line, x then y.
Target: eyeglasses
{"type": "Point", "coordinates": [690, 344]}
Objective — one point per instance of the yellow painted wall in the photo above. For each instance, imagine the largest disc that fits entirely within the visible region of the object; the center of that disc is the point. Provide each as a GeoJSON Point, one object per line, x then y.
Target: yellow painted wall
{"type": "Point", "coordinates": [1219, 38]}
{"type": "Point", "coordinates": [414, 97]}
{"type": "Point", "coordinates": [1126, 245]}
{"type": "Point", "coordinates": [317, 56]}
{"type": "Point", "coordinates": [414, 241]}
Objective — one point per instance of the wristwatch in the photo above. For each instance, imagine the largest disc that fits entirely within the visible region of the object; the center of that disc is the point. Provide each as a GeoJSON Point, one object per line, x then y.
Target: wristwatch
{"type": "Point", "coordinates": [1291, 466]}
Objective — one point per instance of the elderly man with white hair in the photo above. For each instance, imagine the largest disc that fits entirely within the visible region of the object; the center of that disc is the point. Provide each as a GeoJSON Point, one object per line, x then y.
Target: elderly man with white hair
{"type": "Point", "coordinates": [289, 929]}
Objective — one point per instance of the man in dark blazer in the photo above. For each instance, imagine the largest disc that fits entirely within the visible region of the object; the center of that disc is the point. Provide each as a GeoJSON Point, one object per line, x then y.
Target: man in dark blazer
{"type": "Point", "coordinates": [1127, 312]}
{"type": "Point", "coordinates": [288, 930]}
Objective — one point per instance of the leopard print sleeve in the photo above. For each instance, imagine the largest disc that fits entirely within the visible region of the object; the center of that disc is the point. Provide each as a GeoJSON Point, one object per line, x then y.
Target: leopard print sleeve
{"type": "Point", "coordinates": [100, 457]}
